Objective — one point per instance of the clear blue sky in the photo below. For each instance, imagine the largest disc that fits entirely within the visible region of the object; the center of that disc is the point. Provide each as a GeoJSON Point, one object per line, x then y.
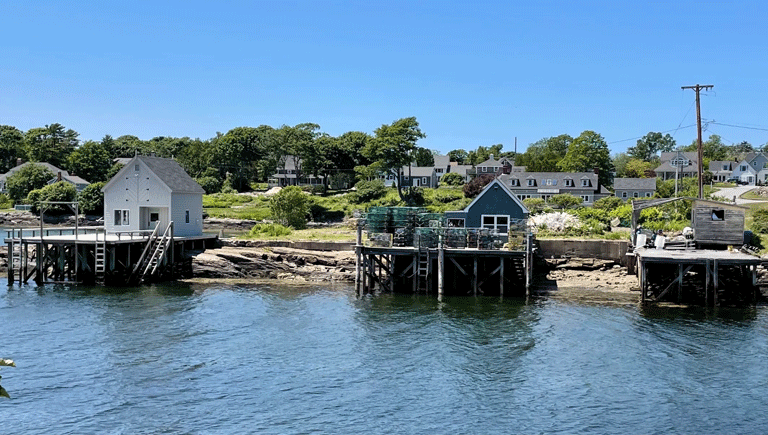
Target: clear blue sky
{"type": "Point", "coordinates": [472, 73]}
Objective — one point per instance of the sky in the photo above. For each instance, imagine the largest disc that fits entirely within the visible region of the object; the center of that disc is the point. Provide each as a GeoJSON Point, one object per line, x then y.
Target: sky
{"type": "Point", "coordinates": [473, 73]}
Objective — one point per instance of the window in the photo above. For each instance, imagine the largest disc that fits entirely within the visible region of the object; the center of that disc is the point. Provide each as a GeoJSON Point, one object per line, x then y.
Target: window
{"type": "Point", "coordinates": [647, 194]}
{"type": "Point", "coordinates": [186, 216]}
{"type": "Point", "coordinates": [718, 215]}
{"type": "Point", "coordinates": [498, 223]}
{"type": "Point", "coordinates": [546, 197]}
{"type": "Point", "coordinates": [623, 194]}
{"type": "Point", "coordinates": [568, 182]}
{"type": "Point", "coordinates": [635, 194]}
{"type": "Point", "coordinates": [725, 167]}
{"type": "Point", "coordinates": [531, 182]}
{"type": "Point", "coordinates": [456, 223]}
{"type": "Point", "coordinates": [121, 217]}
{"type": "Point", "coordinates": [136, 168]}
{"type": "Point", "coordinates": [743, 168]}
{"type": "Point", "coordinates": [523, 196]}
{"type": "Point", "coordinates": [585, 183]}
{"type": "Point", "coordinates": [514, 182]}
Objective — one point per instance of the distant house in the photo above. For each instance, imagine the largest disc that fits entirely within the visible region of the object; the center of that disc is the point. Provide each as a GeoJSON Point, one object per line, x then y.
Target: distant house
{"type": "Point", "coordinates": [289, 173]}
{"type": "Point", "coordinates": [496, 167]}
{"type": "Point", "coordinates": [678, 164]}
{"type": "Point", "coordinates": [626, 188]}
{"type": "Point", "coordinates": [423, 176]}
{"type": "Point", "coordinates": [466, 171]}
{"type": "Point", "coordinates": [744, 172]}
{"type": "Point", "coordinates": [584, 185]}
{"type": "Point", "coordinates": [59, 175]}
{"type": "Point", "coordinates": [721, 169]}
{"type": "Point", "coordinates": [150, 191]}
{"type": "Point", "coordinates": [495, 208]}
{"type": "Point", "coordinates": [442, 165]}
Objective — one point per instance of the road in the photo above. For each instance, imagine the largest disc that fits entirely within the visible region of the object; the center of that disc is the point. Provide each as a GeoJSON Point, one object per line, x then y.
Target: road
{"type": "Point", "coordinates": [731, 192]}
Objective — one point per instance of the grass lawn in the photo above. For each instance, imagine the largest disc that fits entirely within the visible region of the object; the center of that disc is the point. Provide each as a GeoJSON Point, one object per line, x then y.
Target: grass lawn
{"type": "Point", "coordinates": [329, 234]}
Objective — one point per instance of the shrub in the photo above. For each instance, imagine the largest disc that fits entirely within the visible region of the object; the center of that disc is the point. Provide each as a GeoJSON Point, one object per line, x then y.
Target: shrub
{"type": "Point", "coordinates": [271, 230]}
{"type": "Point", "coordinates": [533, 204]}
{"type": "Point", "coordinates": [452, 179]}
{"type": "Point", "coordinates": [760, 221]}
{"type": "Point", "coordinates": [91, 199]}
{"type": "Point", "coordinates": [446, 196]}
{"type": "Point", "coordinates": [60, 191]}
{"type": "Point", "coordinates": [608, 203]}
{"type": "Point", "coordinates": [565, 201]}
{"type": "Point", "coordinates": [5, 201]}
{"type": "Point", "coordinates": [367, 191]}
{"type": "Point", "coordinates": [209, 184]}
{"type": "Point", "coordinates": [319, 189]}
{"type": "Point", "coordinates": [414, 196]}
{"type": "Point", "coordinates": [290, 207]}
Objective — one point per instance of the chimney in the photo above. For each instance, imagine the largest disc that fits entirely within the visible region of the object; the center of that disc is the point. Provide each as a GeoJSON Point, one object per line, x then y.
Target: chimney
{"type": "Point", "coordinates": [597, 171]}
{"type": "Point", "coordinates": [58, 177]}
{"type": "Point", "coordinates": [18, 161]}
{"type": "Point", "coordinates": [491, 156]}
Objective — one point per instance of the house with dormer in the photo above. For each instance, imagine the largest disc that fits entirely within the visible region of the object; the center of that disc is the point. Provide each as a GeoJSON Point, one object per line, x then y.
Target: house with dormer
{"type": "Point", "coordinates": [59, 175]}
{"type": "Point", "coordinates": [721, 169]}
{"type": "Point", "coordinates": [626, 188]}
{"type": "Point", "coordinates": [544, 185]}
{"type": "Point", "coordinates": [678, 164]}
{"type": "Point", "coordinates": [744, 172]}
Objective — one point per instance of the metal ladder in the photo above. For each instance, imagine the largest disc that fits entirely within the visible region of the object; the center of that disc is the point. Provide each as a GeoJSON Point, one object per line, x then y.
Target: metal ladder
{"type": "Point", "coordinates": [423, 270]}
{"type": "Point", "coordinates": [100, 266]}
{"type": "Point", "coordinates": [16, 251]}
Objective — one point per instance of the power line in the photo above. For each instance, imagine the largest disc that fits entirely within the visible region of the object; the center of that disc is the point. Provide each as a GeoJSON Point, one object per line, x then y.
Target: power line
{"type": "Point", "coordinates": [640, 137]}
{"type": "Point", "coordinates": [738, 126]}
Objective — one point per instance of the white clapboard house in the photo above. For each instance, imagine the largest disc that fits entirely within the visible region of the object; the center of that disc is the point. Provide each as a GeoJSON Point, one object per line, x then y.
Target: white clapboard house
{"type": "Point", "coordinates": [150, 191]}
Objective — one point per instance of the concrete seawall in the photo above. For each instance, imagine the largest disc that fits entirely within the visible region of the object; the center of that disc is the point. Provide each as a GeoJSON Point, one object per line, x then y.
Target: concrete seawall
{"type": "Point", "coordinates": [601, 249]}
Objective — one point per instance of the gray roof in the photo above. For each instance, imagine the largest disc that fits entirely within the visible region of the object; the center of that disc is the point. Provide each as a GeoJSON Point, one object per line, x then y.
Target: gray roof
{"type": "Point", "coordinates": [461, 169]}
{"type": "Point", "coordinates": [556, 177]}
{"type": "Point", "coordinates": [717, 165]}
{"type": "Point", "coordinates": [419, 171]}
{"type": "Point", "coordinates": [48, 166]}
{"type": "Point", "coordinates": [442, 161]}
{"type": "Point", "coordinates": [172, 174]}
{"type": "Point", "coordinates": [634, 183]}
{"type": "Point", "coordinates": [494, 162]}
{"type": "Point", "coordinates": [690, 155]}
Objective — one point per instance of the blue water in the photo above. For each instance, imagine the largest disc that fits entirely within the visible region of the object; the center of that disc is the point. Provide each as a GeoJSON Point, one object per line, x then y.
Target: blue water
{"type": "Point", "coordinates": [223, 359]}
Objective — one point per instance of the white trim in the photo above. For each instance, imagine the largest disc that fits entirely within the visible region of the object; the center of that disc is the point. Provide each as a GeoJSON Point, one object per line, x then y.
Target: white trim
{"type": "Point", "coordinates": [495, 225]}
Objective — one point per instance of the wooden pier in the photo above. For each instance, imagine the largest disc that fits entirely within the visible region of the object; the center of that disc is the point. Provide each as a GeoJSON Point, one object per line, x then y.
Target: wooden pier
{"type": "Point", "coordinates": [697, 276]}
{"type": "Point", "coordinates": [90, 255]}
{"type": "Point", "coordinates": [444, 271]}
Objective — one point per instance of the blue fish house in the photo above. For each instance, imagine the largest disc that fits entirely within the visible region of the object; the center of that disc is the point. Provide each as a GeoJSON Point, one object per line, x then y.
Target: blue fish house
{"type": "Point", "coordinates": [495, 208]}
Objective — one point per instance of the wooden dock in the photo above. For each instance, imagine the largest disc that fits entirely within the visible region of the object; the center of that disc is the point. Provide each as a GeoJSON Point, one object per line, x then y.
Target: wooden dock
{"type": "Point", "coordinates": [444, 271]}
{"type": "Point", "coordinates": [90, 255]}
{"type": "Point", "coordinates": [697, 276]}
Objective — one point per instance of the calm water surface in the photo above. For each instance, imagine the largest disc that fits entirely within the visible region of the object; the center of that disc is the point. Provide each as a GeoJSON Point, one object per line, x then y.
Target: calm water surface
{"type": "Point", "coordinates": [223, 359]}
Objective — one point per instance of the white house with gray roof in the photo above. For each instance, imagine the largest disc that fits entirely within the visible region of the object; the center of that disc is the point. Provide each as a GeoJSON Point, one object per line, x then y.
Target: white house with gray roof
{"type": "Point", "coordinates": [58, 175]}
{"type": "Point", "coordinates": [626, 188]}
{"type": "Point", "coordinates": [151, 191]}
{"type": "Point", "coordinates": [544, 185]}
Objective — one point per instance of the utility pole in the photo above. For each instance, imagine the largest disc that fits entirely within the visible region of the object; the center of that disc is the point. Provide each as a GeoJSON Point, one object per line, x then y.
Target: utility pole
{"type": "Point", "coordinates": [698, 88]}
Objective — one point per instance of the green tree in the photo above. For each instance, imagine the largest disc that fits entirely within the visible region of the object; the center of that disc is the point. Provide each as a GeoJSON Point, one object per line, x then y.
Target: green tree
{"type": "Point", "coordinates": [298, 144]}
{"type": "Point", "coordinates": [26, 179]}
{"type": "Point", "coordinates": [619, 164]}
{"type": "Point", "coordinates": [459, 156]}
{"type": "Point", "coordinates": [90, 161]}
{"type": "Point", "coordinates": [452, 179]}
{"type": "Point", "coordinates": [91, 199]}
{"type": "Point", "coordinates": [587, 152]}
{"type": "Point", "coordinates": [648, 147]}
{"type": "Point", "coordinates": [545, 154]}
{"type": "Point", "coordinates": [57, 192]}
{"type": "Point", "coordinates": [11, 147]}
{"type": "Point", "coordinates": [424, 157]}
{"type": "Point", "coordinates": [239, 151]}
{"type": "Point", "coordinates": [482, 154]}
{"type": "Point", "coordinates": [393, 147]}
{"type": "Point", "coordinates": [637, 168]}
{"type": "Point", "coordinates": [51, 144]}
{"type": "Point", "coordinates": [712, 149]}
{"type": "Point", "coordinates": [290, 207]}
{"type": "Point", "coordinates": [127, 146]}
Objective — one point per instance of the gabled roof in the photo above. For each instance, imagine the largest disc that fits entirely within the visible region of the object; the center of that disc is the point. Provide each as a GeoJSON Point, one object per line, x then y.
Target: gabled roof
{"type": "Point", "coordinates": [460, 169]}
{"type": "Point", "coordinates": [48, 166]}
{"type": "Point", "coordinates": [442, 161]}
{"type": "Point", "coordinates": [498, 182]}
{"type": "Point", "coordinates": [693, 156]}
{"type": "Point", "coordinates": [419, 171]}
{"type": "Point", "coordinates": [493, 162]}
{"type": "Point", "coordinates": [168, 171]}
{"type": "Point", "coordinates": [717, 165]}
{"type": "Point", "coordinates": [634, 183]}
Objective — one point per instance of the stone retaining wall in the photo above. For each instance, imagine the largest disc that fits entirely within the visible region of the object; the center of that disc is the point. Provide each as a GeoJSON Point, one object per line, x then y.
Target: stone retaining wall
{"type": "Point", "coordinates": [310, 246]}
{"type": "Point", "coordinates": [614, 250]}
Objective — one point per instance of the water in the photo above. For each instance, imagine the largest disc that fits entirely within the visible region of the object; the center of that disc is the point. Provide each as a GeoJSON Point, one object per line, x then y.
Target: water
{"type": "Point", "coordinates": [223, 359]}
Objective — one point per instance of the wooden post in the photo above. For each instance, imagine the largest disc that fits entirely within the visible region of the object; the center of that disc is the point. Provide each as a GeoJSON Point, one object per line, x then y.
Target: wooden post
{"type": "Point", "coordinates": [474, 276]}
{"type": "Point", "coordinates": [358, 249]}
{"type": "Point", "coordinates": [10, 261]}
{"type": "Point", "coordinates": [641, 272]}
{"type": "Point", "coordinates": [501, 277]}
{"type": "Point", "coordinates": [415, 270]}
{"type": "Point", "coordinates": [715, 279]}
{"type": "Point", "coordinates": [706, 284]}
{"type": "Point", "coordinates": [441, 268]}
{"type": "Point", "coordinates": [679, 283]}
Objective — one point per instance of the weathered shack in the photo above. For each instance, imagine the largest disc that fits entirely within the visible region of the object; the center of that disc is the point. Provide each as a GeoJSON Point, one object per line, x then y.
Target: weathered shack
{"type": "Point", "coordinates": [717, 223]}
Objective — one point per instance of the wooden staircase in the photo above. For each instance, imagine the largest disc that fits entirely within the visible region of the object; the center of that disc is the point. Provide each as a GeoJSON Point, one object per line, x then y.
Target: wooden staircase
{"type": "Point", "coordinates": [154, 256]}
